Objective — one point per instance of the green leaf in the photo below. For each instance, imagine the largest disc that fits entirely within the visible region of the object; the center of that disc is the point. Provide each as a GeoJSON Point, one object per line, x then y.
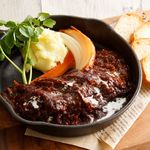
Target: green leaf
{"type": "Point", "coordinates": [8, 42]}
{"type": "Point", "coordinates": [36, 22]}
{"type": "Point", "coordinates": [5, 47]}
{"type": "Point", "coordinates": [29, 61]}
{"type": "Point", "coordinates": [19, 44]}
{"type": "Point", "coordinates": [2, 22]}
{"type": "Point", "coordinates": [28, 20]}
{"type": "Point", "coordinates": [30, 31]}
{"type": "Point", "coordinates": [9, 39]}
{"type": "Point", "coordinates": [49, 23]}
{"type": "Point", "coordinates": [26, 31]}
{"type": "Point", "coordinates": [43, 16]}
{"type": "Point", "coordinates": [34, 38]}
{"type": "Point", "coordinates": [11, 24]}
{"type": "Point", "coordinates": [37, 32]}
{"type": "Point", "coordinates": [18, 36]}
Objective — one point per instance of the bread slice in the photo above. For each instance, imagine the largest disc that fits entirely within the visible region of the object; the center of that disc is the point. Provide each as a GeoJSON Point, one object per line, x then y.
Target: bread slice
{"type": "Point", "coordinates": [146, 70]}
{"type": "Point", "coordinates": [141, 47]}
{"type": "Point", "coordinates": [142, 32]}
{"type": "Point", "coordinates": [127, 24]}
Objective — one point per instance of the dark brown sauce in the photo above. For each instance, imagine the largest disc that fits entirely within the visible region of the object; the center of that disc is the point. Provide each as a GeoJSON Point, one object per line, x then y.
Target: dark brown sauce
{"type": "Point", "coordinates": [77, 97]}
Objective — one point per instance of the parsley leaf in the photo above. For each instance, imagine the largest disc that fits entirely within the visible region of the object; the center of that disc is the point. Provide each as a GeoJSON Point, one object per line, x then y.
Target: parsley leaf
{"type": "Point", "coordinates": [43, 16]}
{"type": "Point", "coordinates": [21, 35]}
{"type": "Point", "coordinates": [49, 23]}
{"type": "Point", "coordinates": [11, 24]}
{"type": "Point", "coordinates": [2, 22]}
{"type": "Point", "coordinates": [26, 31]}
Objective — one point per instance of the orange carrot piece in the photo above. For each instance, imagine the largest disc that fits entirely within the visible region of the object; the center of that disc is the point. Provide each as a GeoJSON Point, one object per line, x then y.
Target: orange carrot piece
{"type": "Point", "coordinates": [60, 69]}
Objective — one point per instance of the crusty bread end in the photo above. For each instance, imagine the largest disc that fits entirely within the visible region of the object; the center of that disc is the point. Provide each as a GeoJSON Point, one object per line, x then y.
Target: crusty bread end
{"type": "Point", "coordinates": [141, 47]}
{"type": "Point", "coordinates": [146, 70]}
{"type": "Point", "coordinates": [127, 24]}
{"type": "Point", "coordinates": [142, 32]}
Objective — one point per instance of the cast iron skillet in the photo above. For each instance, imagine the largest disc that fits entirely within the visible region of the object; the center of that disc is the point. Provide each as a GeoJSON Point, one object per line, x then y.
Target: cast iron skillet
{"type": "Point", "coordinates": [100, 33]}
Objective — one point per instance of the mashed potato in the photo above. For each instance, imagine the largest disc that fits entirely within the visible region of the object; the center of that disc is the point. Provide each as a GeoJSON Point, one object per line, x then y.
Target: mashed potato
{"type": "Point", "coordinates": [48, 51]}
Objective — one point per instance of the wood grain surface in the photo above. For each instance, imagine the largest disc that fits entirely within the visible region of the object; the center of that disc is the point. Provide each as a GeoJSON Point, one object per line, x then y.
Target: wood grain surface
{"type": "Point", "coordinates": [6, 121]}
{"type": "Point", "coordinates": [138, 137]}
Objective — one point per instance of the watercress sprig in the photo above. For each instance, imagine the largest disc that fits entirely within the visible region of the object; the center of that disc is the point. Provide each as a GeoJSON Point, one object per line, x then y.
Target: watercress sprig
{"type": "Point", "coordinates": [21, 35]}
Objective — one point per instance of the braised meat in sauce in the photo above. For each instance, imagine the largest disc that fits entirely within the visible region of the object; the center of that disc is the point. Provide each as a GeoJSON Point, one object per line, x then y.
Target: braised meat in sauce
{"type": "Point", "coordinates": [77, 97]}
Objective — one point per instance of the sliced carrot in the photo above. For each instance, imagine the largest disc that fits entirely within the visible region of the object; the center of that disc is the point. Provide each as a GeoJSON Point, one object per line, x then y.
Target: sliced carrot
{"type": "Point", "coordinates": [60, 69]}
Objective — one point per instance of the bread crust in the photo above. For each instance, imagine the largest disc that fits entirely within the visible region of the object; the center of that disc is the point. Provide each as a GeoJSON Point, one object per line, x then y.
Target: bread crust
{"type": "Point", "coordinates": [146, 70]}
{"type": "Point", "coordinates": [137, 34]}
{"type": "Point", "coordinates": [135, 37]}
{"type": "Point", "coordinates": [131, 21]}
{"type": "Point", "coordinates": [141, 47]}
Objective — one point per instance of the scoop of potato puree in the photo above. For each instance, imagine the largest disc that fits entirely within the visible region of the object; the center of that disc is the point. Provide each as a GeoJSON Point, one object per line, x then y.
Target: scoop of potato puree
{"type": "Point", "coordinates": [48, 51]}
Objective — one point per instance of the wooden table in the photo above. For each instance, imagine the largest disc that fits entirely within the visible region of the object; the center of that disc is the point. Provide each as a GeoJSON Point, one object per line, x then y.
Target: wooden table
{"type": "Point", "coordinates": [137, 138]}
{"type": "Point", "coordinates": [12, 138]}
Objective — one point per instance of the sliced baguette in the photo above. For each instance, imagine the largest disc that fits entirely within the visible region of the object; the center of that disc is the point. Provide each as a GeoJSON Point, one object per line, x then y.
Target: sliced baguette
{"type": "Point", "coordinates": [127, 24]}
{"type": "Point", "coordinates": [141, 47]}
{"type": "Point", "coordinates": [146, 70]}
{"type": "Point", "coordinates": [142, 32]}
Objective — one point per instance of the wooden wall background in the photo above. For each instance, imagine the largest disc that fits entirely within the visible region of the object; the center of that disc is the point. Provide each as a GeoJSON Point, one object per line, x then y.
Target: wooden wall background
{"type": "Point", "coordinates": [18, 9]}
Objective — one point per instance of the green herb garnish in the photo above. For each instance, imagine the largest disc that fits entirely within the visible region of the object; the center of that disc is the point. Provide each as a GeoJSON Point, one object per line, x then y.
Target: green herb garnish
{"type": "Point", "coordinates": [21, 35]}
